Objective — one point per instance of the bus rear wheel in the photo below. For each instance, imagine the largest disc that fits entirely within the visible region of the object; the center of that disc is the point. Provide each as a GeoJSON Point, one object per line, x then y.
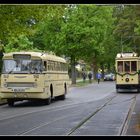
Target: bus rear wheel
{"type": "Point", "coordinates": [63, 97]}
{"type": "Point", "coordinates": [10, 102]}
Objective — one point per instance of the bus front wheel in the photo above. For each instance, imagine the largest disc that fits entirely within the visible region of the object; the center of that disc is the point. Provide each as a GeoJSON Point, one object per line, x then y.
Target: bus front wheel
{"type": "Point", "coordinates": [10, 102]}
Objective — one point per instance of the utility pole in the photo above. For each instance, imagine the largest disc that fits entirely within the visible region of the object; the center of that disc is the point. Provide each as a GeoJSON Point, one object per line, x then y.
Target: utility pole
{"type": "Point", "coordinates": [121, 44]}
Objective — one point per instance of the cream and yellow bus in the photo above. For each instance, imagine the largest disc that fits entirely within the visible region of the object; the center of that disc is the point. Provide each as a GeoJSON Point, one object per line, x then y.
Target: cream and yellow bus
{"type": "Point", "coordinates": [127, 71]}
{"type": "Point", "coordinates": [33, 75]}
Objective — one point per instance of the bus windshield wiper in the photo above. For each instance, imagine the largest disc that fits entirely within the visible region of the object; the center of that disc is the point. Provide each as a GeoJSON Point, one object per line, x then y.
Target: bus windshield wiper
{"type": "Point", "coordinates": [10, 71]}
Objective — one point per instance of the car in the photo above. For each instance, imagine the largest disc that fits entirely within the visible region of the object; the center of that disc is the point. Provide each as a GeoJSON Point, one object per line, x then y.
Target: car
{"type": "Point", "coordinates": [109, 77]}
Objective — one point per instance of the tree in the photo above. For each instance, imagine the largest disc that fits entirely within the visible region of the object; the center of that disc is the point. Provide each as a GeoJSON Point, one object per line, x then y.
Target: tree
{"type": "Point", "coordinates": [78, 34]}
{"type": "Point", "coordinates": [23, 19]}
{"type": "Point", "coordinates": [20, 43]}
{"type": "Point", "coordinates": [125, 27]}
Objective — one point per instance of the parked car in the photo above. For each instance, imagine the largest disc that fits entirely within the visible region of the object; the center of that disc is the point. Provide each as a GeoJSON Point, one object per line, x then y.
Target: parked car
{"type": "Point", "coordinates": [109, 77]}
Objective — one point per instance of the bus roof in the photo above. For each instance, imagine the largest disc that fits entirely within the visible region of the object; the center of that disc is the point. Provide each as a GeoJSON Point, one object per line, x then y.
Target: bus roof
{"type": "Point", "coordinates": [41, 55]}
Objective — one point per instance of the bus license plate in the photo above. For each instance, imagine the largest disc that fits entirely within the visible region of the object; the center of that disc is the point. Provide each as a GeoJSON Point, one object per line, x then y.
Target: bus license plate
{"type": "Point", "coordinates": [19, 90]}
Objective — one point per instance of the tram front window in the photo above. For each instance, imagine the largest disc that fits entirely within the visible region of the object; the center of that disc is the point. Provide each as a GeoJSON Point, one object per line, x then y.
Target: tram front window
{"type": "Point", "coordinates": [120, 66]}
{"type": "Point", "coordinates": [22, 66]}
{"type": "Point", "coordinates": [127, 66]}
{"type": "Point", "coordinates": [133, 66]}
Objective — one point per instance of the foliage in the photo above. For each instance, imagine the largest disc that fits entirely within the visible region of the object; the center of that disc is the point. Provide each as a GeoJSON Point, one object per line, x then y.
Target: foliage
{"type": "Point", "coordinates": [23, 19]}
{"type": "Point", "coordinates": [20, 43]}
{"type": "Point", "coordinates": [93, 33]}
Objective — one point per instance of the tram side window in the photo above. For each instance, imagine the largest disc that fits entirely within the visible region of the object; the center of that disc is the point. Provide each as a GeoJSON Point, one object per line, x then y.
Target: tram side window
{"type": "Point", "coordinates": [120, 66]}
{"type": "Point", "coordinates": [127, 66]}
{"type": "Point", "coordinates": [133, 66]}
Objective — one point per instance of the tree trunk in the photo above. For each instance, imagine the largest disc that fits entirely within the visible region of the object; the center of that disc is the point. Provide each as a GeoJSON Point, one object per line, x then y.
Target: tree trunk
{"type": "Point", "coordinates": [95, 69]}
{"type": "Point", "coordinates": [108, 67]}
{"type": "Point", "coordinates": [73, 70]}
{"type": "Point", "coordinates": [102, 67]}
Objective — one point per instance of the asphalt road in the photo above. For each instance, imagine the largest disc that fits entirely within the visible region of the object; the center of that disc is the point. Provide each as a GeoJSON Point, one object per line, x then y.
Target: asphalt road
{"type": "Point", "coordinates": [92, 110]}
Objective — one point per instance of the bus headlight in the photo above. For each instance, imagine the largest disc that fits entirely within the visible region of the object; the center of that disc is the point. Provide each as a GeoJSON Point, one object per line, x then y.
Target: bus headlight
{"type": "Point", "coordinates": [5, 75]}
{"type": "Point", "coordinates": [36, 76]}
{"type": "Point", "coordinates": [5, 84]}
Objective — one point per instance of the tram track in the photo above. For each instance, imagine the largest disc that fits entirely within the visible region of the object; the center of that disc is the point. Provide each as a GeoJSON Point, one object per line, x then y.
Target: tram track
{"type": "Point", "coordinates": [92, 115]}
{"type": "Point", "coordinates": [125, 124]}
{"type": "Point", "coordinates": [72, 130]}
{"type": "Point", "coordinates": [127, 120]}
{"type": "Point", "coordinates": [48, 109]}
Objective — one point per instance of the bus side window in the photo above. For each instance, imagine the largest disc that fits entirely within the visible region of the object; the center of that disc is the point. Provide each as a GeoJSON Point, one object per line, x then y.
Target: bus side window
{"type": "Point", "coordinates": [44, 66]}
{"type": "Point", "coordinates": [48, 65]}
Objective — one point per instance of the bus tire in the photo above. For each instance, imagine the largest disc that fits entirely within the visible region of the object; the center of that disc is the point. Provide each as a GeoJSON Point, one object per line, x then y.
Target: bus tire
{"type": "Point", "coordinates": [10, 102]}
{"type": "Point", "coordinates": [63, 97]}
{"type": "Point", "coordinates": [48, 100]}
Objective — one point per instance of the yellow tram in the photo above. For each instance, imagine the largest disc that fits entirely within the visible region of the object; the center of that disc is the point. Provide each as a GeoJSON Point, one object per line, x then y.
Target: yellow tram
{"type": "Point", "coordinates": [127, 71]}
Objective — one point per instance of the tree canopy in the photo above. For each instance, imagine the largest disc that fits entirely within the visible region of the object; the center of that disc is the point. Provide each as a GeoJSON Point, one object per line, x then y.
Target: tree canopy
{"type": "Point", "coordinates": [93, 33]}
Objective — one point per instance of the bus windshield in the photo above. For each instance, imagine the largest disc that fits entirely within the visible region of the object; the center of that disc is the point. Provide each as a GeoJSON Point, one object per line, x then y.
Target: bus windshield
{"type": "Point", "coordinates": [22, 66]}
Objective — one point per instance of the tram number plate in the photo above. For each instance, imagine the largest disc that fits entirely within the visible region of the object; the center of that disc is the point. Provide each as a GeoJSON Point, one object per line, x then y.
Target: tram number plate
{"type": "Point", "coordinates": [19, 90]}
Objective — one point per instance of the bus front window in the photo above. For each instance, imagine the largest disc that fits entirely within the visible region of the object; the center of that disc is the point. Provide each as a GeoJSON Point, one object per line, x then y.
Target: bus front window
{"type": "Point", "coordinates": [22, 66]}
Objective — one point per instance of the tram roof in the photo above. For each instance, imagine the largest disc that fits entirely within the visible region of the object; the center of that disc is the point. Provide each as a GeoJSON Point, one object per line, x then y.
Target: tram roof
{"type": "Point", "coordinates": [42, 55]}
{"type": "Point", "coordinates": [130, 55]}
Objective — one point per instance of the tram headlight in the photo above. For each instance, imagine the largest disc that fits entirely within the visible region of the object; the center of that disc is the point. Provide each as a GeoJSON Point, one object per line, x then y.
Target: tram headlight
{"type": "Point", "coordinates": [127, 79]}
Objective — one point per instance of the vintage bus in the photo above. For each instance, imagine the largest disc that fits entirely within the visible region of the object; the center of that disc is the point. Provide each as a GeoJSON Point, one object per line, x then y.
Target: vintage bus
{"type": "Point", "coordinates": [33, 75]}
{"type": "Point", "coordinates": [127, 71]}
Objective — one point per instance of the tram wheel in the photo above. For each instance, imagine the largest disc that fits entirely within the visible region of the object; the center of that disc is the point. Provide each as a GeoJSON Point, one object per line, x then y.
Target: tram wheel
{"type": "Point", "coordinates": [117, 90]}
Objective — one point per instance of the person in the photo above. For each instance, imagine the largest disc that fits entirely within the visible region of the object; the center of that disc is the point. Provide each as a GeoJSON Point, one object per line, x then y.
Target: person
{"type": "Point", "coordinates": [84, 76]}
{"type": "Point", "coordinates": [17, 68]}
{"type": "Point", "coordinates": [90, 76]}
{"type": "Point", "coordinates": [120, 68]}
{"type": "Point", "coordinates": [98, 77]}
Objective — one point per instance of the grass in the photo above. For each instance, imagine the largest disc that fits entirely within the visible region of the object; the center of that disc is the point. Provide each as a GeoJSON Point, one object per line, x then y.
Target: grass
{"type": "Point", "coordinates": [83, 83]}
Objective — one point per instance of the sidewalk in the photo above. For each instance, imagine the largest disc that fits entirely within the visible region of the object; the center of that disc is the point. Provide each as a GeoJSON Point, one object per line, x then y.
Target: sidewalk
{"type": "Point", "coordinates": [134, 125]}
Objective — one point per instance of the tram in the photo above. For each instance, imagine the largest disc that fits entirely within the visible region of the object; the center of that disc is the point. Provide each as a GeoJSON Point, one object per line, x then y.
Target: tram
{"type": "Point", "coordinates": [127, 71]}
